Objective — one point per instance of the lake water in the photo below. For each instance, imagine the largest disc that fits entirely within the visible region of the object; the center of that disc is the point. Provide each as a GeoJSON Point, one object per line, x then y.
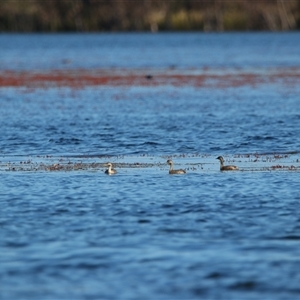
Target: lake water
{"type": "Point", "coordinates": [69, 231]}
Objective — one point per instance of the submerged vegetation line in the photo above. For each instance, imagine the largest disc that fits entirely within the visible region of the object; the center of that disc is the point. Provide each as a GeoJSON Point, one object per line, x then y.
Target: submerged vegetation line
{"type": "Point", "coordinates": [83, 78]}
{"type": "Point", "coordinates": [192, 163]}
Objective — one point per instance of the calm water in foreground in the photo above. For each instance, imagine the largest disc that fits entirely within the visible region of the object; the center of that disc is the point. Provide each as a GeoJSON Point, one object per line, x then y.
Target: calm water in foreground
{"type": "Point", "coordinates": [143, 234]}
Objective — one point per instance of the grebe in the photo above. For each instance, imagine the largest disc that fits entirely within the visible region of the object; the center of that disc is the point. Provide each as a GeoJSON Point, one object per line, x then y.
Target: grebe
{"type": "Point", "coordinates": [171, 171]}
{"type": "Point", "coordinates": [110, 170]}
{"type": "Point", "coordinates": [226, 168]}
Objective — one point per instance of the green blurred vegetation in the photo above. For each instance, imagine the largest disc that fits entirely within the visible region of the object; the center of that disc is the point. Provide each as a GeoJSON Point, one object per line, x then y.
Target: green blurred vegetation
{"type": "Point", "coordinates": [148, 15]}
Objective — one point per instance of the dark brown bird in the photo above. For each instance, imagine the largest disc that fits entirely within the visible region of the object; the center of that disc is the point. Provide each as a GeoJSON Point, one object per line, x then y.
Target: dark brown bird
{"type": "Point", "coordinates": [226, 168]}
{"type": "Point", "coordinates": [172, 171]}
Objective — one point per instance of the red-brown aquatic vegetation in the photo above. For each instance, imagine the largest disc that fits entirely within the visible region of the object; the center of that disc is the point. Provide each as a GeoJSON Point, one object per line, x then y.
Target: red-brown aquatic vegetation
{"type": "Point", "coordinates": [55, 167]}
{"type": "Point", "coordinates": [277, 167]}
{"type": "Point", "coordinates": [81, 78]}
{"type": "Point", "coordinates": [284, 167]}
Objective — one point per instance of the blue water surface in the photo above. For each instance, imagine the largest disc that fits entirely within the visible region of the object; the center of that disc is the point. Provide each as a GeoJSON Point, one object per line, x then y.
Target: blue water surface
{"type": "Point", "coordinates": [142, 50]}
{"type": "Point", "coordinates": [144, 234]}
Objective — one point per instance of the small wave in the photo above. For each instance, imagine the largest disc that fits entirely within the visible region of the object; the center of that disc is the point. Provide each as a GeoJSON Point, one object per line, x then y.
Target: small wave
{"type": "Point", "coordinates": [151, 143]}
{"type": "Point", "coordinates": [175, 230]}
{"type": "Point", "coordinates": [16, 244]}
{"type": "Point", "coordinates": [290, 237]}
{"type": "Point", "coordinates": [66, 141]}
{"type": "Point", "coordinates": [244, 285]}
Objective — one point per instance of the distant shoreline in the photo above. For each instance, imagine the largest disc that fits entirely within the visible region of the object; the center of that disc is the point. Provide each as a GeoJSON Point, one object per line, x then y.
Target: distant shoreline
{"type": "Point", "coordinates": [149, 16]}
